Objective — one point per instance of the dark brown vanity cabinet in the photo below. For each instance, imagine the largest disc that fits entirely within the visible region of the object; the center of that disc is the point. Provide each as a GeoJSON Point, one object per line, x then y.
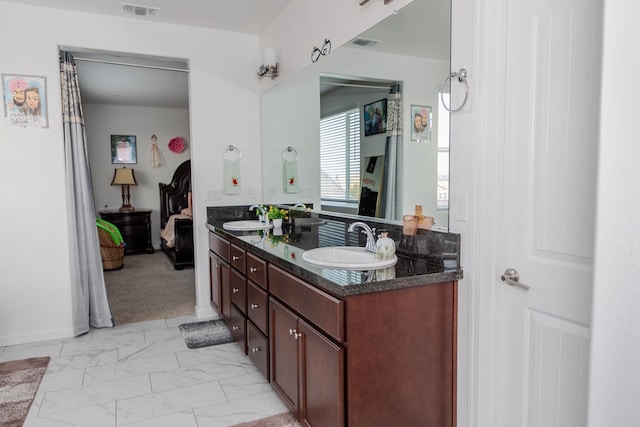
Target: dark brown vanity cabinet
{"type": "Point", "coordinates": [371, 359]}
{"type": "Point", "coordinates": [239, 300]}
{"type": "Point", "coordinates": [306, 369]}
{"type": "Point", "coordinates": [220, 282]}
{"type": "Point", "coordinates": [220, 275]}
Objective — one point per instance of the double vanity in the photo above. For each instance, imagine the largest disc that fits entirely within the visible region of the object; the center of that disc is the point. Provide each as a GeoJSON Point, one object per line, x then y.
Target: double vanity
{"type": "Point", "coordinates": [343, 345]}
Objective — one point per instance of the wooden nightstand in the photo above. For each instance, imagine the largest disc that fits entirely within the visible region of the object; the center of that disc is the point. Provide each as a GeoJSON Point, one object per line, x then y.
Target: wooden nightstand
{"type": "Point", "coordinates": [135, 228]}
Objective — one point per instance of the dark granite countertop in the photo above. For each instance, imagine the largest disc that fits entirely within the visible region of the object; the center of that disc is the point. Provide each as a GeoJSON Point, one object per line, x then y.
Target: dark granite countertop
{"type": "Point", "coordinates": [428, 258]}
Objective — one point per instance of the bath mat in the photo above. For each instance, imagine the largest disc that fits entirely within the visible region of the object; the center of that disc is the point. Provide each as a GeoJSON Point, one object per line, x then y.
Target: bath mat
{"type": "Point", "coordinates": [280, 420]}
{"type": "Point", "coordinates": [207, 333]}
{"type": "Point", "coordinates": [19, 382]}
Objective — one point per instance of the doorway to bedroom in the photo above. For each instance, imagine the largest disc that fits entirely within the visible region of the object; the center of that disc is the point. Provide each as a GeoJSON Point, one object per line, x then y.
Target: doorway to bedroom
{"type": "Point", "coordinates": [146, 101]}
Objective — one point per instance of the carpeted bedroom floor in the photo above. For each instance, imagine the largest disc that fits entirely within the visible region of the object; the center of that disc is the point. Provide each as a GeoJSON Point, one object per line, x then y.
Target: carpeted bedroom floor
{"type": "Point", "coordinates": [149, 288]}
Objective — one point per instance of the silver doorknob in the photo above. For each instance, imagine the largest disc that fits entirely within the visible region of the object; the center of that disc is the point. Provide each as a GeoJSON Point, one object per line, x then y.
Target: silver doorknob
{"type": "Point", "coordinates": [512, 277]}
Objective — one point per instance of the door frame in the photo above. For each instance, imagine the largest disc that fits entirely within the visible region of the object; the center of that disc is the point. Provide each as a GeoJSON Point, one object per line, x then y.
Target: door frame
{"type": "Point", "coordinates": [481, 153]}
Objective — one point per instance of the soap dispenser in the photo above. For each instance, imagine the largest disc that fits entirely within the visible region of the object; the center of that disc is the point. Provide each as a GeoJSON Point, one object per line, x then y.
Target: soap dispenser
{"type": "Point", "coordinates": [385, 246]}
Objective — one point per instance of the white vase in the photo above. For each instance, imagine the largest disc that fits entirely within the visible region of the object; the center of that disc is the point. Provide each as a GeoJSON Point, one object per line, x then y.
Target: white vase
{"type": "Point", "coordinates": [385, 247]}
{"type": "Point", "coordinates": [277, 222]}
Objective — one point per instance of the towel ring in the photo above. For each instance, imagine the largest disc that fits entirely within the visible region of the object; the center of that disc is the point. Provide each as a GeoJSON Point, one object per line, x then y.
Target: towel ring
{"type": "Point", "coordinates": [234, 151]}
{"type": "Point", "coordinates": [290, 149]}
{"type": "Point", "coordinates": [462, 78]}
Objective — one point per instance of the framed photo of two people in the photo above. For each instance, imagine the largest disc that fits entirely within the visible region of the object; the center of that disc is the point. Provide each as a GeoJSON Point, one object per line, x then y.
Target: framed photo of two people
{"type": "Point", "coordinates": [421, 123]}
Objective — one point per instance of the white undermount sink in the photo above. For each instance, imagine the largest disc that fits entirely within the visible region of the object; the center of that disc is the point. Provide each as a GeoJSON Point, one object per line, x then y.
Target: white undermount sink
{"type": "Point", "coordinates": [346, 258]}
{"type": "Point", "coordinates": [246, 225]}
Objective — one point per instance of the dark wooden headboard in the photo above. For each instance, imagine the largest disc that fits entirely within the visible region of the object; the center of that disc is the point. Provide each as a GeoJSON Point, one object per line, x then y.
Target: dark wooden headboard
{"type": "Point", "coordinates": [173, 196]}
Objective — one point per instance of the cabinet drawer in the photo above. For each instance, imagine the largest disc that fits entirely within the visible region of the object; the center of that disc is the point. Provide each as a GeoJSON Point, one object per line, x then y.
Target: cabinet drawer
{"type": "Point", "coordinates": [238, 326]}
{"type": "Point", "coordinates": [321, 309]}
{"type": "Point", "coordinates": [220, 246]}
{"type": "Point", "coordinates": [257, 306]}
{"type": "Point", "coordinates": [257, 271]}
{"type": "Point", "coordinates": [237, 258]}
{"type": "Point", "coordinates": [258, 349]}
{"type": "Point", "coordinates": [239, 291]}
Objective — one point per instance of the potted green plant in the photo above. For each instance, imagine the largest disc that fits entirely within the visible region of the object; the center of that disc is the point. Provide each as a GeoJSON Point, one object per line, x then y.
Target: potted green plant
{"type": "Point", "coordinates": [276, 215]}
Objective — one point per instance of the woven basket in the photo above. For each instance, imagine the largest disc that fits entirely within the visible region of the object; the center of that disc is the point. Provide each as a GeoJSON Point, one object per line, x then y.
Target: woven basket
{"type": "Point", "coordinates": [112, 255]}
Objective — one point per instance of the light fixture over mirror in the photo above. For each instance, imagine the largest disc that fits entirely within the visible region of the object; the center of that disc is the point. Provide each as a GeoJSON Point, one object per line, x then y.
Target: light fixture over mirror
{"type": "Point", "coordinates": [268, 65]}
{"type": "Point", "coordinates": [411, 49]}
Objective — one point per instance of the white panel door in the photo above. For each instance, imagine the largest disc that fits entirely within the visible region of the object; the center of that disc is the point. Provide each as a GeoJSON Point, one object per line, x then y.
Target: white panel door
{"type": "Point", "coordinates": [541, 351]}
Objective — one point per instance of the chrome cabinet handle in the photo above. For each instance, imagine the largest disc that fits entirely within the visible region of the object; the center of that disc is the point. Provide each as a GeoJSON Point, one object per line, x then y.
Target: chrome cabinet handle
{"type": "Point", "coordinates": [235, 258]}
{"type": "Point", "coordinates": [252, 270]}
{"type": "Point", "coordinates": [235, 328]}
{"type": "Point", "coordinates": [235, 290]}
{"type": "Point", "coordinates": [254, 306]}
{"type": "Point", "coordinates": [512, 277]}
{"type": "Point", "coordinates": [295, 334]}
{"type": "Point", "coordinates": [255, 349]}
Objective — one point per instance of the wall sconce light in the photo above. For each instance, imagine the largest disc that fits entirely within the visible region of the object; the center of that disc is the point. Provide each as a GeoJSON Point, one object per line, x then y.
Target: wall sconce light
{"type": "Point", "coordinates": [268, 67]}
{"type": "Point", "coordinates": [125, 178]}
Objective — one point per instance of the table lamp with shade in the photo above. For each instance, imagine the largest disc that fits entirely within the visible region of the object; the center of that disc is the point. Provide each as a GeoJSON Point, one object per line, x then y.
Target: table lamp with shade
{"type": "Point", "coordinates": [125, 178]}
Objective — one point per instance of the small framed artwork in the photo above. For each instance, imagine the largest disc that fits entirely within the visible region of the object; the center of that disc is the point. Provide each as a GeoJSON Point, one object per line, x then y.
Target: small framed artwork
{"type": "Point", "coordinates": [421, 123]}
{"type": "Point", "coordinates": [123, 149]}
{"type": "Point", "coordinates": [375, 117]}
{"type": "Point", "coordinates": [25, 101]}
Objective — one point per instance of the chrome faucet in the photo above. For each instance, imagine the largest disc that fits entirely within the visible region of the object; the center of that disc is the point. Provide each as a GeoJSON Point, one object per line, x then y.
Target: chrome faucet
{"type": "Point", "coordinates": [371, 239]}
{"type": "Point", "coordinates": [262, 216]}
{"type": "Point", "coordinates": [299, 205]}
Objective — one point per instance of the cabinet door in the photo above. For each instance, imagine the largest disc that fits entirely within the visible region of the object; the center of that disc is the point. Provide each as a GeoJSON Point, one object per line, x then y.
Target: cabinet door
{"type": "Point", "coordinates": [238, 326]}
{"type": "Point", "coordinates": [321, 379]}
{"type": "Point", "coordinates": [214, 280]}
{"type": "Point", "coordinates": [225, 289]}
{"type": "Point", "coordinates": [258, 306]}
{"type": "Point", "coordinates": [258, 349]}
{"type": "Point", "coordinates": [239, 291]}
{"type": "Point", "coordinates": [284, 354]}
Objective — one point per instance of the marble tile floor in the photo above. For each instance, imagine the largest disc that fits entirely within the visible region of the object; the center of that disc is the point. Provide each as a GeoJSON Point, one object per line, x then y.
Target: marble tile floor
{"type": "Point", "coordinates": [143, 375]}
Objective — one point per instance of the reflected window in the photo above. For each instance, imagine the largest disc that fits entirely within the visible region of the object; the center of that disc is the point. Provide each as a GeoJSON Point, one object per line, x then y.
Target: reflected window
{"type": "Point", "coordinates": [340, 157]}
{"type": "Point", "coordinates": [443, 153]}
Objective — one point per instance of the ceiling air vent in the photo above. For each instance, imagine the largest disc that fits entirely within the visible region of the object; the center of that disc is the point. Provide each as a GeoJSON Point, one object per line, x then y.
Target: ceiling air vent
{"type": "Point", "coordinates": [139, 10]}
{"type": "Point", "coordinates": [364, 42]}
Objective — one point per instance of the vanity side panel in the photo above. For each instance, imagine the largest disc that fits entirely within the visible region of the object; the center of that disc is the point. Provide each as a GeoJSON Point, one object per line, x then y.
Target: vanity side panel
{"type": "Point", "coordinates": [401, 357]}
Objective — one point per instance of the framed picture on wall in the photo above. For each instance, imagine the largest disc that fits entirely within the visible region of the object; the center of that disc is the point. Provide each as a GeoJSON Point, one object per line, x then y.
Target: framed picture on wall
{"type": "Point", "coordinates": [123, 149]}
{"type": "Point", "coordinates": [421, 123]}
{"type": "Point", "coordinates": [375, 117]}
{"type": "Point", "coordinates": [25, 99]}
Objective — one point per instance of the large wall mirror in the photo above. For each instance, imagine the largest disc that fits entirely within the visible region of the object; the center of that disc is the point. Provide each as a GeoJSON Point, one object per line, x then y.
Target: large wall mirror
{"type": "Point", "coordinates": [342, 94]}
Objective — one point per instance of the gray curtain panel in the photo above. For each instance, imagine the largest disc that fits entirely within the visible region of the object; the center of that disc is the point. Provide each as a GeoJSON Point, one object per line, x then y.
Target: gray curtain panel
{"type": "Point", "coordinates": [391, 203]}
{"type": "Point", "coordinates": [90, 304]}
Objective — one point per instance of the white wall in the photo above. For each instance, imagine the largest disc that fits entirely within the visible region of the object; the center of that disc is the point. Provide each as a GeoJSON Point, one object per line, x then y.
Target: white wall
{"type": "Point", "coordinates": [102, 121]}
{"type": "Point", "coordinates": [615, 344]}
{"type": "Point", "coordinates": [35, 300]}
